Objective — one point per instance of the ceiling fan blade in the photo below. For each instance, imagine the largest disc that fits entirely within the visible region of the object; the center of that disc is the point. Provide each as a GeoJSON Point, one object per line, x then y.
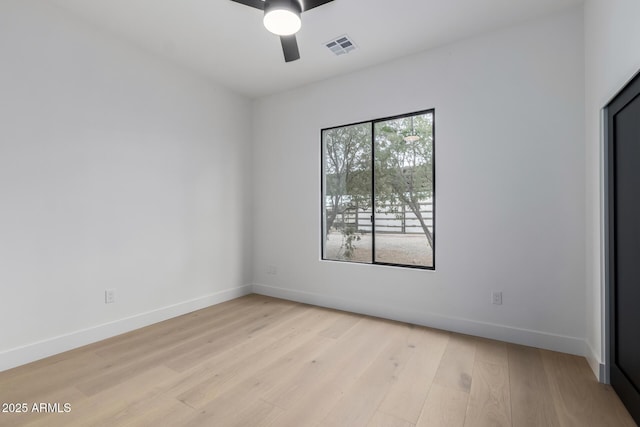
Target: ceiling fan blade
{"type": "Point", "coordinates": [310, 4]}
{"type": "Point", "coordinates": [290, 48]}
{"type": "Point", "coordinates": [258, 4]}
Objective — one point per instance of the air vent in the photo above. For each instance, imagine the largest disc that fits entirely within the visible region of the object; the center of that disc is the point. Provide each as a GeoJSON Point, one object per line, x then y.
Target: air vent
{"type": "Point", "coordinates": [341, 45]}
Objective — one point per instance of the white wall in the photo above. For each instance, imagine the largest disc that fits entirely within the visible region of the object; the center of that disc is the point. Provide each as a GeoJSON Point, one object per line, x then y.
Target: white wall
{"type": "Point", "coordinates": [510, 186]}
{"type": "Point", "coordinates": [612, 37]}
{"type": "Point", "coordinates": [117, 170]}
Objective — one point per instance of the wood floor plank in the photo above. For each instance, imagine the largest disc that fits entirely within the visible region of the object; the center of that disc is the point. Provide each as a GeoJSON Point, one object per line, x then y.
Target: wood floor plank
{"type": "Point", "coordinates": [456, 368]}
{"type": "Point", "coordinates": [347, 358]}
{"type": "Point", "coordinates": [62, 395]}
{"type": "Point", "coordinates": [407, 395]}
{"type": "Point", "coordinates": [259, 374]}
{"type": "Point", "coordinates": [232, 398]}
{"type": "Point", "coordinates": [162, 411]}
{"type": "Point", "coordinates": [261, 349]}
{"type": "Point", "coordinates": [188, 326]}
{"type": "Point", "coordinates": [361, 400]}
{"type": "Point", "coordinates": [491, 351]}
{"type": "Point", "coordinates": [531, 401]}
{"type": "Point", "coordinates": [316, 390]}
{"type": "Point", "coordinates": [254, 413]}
{"type": "Point", "coordinates": [116, 405]}
{"type": "Point", "coordinates": [444, 407]}
{"type": "Point", "coordinates": [242, 332]}
{"type": "Point", "coordinates": [198, 333]}
{"type": "Point", "coordinates": [230, 333]}
{"type": "Point", "coordinates": [380, 419]}
{"type": "Point", "coordinates": [342, 323]}
{"type": "Point", "coordinates": [489, 397]}
{"type": "Point", "coordinates": [47, 379]}
{"type": "Point", "coordinates": [489, 401]}
{"type": "Point", "coordinates": [578, 398]}
{"type": "Point", "coordinates": [285, 353]}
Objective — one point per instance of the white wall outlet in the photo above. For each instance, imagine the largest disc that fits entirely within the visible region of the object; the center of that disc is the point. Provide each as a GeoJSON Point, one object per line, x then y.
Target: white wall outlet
{"type": "Point", "coordinates": [496, 298]}
{"type": "Point", "coordinates": [109, 296]}
{"type": "Point", "coordinates": [272, 269]}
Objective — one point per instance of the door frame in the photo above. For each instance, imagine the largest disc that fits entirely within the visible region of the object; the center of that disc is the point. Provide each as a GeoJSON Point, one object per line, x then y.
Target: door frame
{"type": "Point", "coordinates": [629, 91]}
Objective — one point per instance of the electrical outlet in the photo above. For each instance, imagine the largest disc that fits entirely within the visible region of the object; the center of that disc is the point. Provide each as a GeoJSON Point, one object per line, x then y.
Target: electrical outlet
{"type": "Point", "coordinates": [109, 296]}
{"type": "Point", "coordinates": [496, 298]}
{"type": "Point", "coordinates": [272, 269]}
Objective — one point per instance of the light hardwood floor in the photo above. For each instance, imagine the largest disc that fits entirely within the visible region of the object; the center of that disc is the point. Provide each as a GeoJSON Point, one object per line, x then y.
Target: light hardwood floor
{"type": "Point", "coordinates": [259, 361]}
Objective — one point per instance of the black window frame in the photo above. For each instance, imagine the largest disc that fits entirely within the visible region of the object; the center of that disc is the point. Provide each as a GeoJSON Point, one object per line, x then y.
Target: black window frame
{"type": "Point", "coordinates": [373, 122]}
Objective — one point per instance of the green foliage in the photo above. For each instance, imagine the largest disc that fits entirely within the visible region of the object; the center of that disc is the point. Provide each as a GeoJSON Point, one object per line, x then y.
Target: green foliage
{"type": "Point", "coordinates": [349, 236]}
{"type": "Point", "coordinates": [347, 169]}
{"type": "Point", "coordinates": [404, 165]}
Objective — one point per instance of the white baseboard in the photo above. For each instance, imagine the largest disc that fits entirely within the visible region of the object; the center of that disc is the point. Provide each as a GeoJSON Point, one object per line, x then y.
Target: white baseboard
{"type": "Point", "coordinates": [594, 363]}
{"type": "Point", "coordinates": [45, 348]}
{"type": "Point", "coordinates": [549, 341]}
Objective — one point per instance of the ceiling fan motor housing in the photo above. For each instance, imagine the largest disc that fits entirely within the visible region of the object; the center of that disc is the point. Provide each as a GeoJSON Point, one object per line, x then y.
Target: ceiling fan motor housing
{"type": "Point", "coordinates": [292, 5]}
{"type": "Point", "coordinates": [282, 17]}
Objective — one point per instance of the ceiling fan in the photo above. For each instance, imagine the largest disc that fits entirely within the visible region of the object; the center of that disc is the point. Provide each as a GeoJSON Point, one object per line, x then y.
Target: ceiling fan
{"type": "Point", "coordinates": [282, 17]}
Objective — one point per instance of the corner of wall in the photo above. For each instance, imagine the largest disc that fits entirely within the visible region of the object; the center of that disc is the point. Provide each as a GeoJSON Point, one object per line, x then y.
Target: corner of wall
{"type": "Point", "coordinates": [593, 359]}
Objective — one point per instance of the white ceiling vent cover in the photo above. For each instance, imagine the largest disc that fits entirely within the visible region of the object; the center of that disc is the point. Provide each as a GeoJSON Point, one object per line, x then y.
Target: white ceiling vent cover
{"type": "Point", "coordinates": [341, 45]}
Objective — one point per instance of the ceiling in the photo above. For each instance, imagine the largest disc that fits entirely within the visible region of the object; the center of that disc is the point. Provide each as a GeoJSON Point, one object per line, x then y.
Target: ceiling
{"type": "Point", "coordinates": [227, 41]}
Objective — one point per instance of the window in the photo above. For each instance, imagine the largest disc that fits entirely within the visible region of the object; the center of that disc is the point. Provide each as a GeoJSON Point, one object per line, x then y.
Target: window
{"type": "Point", "coordinates": [378, 191]}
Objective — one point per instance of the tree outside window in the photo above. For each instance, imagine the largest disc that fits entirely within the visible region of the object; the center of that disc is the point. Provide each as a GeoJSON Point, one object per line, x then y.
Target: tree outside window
{"type": "Point", "coordinates": [378, 191]}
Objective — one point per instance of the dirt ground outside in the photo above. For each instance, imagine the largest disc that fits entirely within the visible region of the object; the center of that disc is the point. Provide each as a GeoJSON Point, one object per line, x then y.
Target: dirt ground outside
{"type": "Point", "coordinates": [411, 249]}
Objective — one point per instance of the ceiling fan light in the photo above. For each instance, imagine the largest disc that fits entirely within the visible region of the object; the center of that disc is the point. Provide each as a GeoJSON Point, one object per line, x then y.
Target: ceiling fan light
{"type": "Point", "coordinates": [282, 17]}
{"type": "Point", "coordinates": [411, 138]}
